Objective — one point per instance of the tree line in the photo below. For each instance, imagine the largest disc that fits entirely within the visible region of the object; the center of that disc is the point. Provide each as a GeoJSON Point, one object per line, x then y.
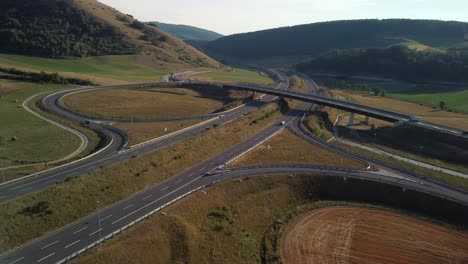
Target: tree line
{"type": "Point", "coordinates": [40, 77]}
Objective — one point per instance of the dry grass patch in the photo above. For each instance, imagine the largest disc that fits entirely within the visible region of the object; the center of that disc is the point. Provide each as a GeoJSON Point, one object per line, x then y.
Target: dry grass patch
{"type": "Point", "coordinates": [142, 132]}
{"type": "Point", "coordinates": [362, 235]}
{"type": "Point", "coordinates": [288, 148]}
{"type": "Point", "coordinates": [76, 198]}
{"type": "Point", "coordinates": [158, 103]}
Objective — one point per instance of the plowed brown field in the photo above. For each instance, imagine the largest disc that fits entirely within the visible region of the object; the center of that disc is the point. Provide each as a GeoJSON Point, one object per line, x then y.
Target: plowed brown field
{"type": "Point", "coordinates": [358, 235]}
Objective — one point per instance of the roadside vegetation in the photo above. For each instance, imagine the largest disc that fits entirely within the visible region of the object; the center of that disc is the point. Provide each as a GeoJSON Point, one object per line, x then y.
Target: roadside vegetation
{"type": "Point", "coordinates": [142, 132]}
{"type": "Point", "coordinates": [75, 198]}
{"type": "Point", "coordinates": [287, 148]}
{"type": "Point", "coordinates": [408, 146]}
{"type": "Point", "coordinates": [241, 221]}
{"type": "Point", "coordinates": [230, 75]}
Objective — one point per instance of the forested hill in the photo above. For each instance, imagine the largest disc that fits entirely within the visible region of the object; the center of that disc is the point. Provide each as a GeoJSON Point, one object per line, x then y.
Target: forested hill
{"type": "Point", "coordinates": [80, 28]}
{"type": "Point", "coordinates": [397, 62]}
{"type": "Point", "coordinates": [314, 39]}
{"type": "Point", "coordinates": [57, 28]}
{"type": "Point", "coordinates": [188, 32]}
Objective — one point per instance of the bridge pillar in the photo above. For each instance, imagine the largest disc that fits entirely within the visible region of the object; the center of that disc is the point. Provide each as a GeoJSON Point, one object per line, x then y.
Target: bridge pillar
{"type": "Point", "coordinates": [366, 121]}
{"type": "Point", "coordinates": [351, 119]}
{"type": "Point", "coordinates": [246, 94]}
{"type": "Point", "coordinates": [319, 108]}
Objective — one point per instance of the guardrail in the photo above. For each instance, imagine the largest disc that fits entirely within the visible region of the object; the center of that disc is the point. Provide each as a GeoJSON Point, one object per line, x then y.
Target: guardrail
{"type": "Point", "coordinates": [152, 212]}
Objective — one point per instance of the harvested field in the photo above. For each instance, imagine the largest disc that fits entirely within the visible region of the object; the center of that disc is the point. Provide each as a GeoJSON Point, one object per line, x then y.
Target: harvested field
{"type": "Point", "coordinates": [288, 148]}
{"type": "Point", "coordinates": [158, 103]}
{"type": "Point", "coordinates": [359, 235]}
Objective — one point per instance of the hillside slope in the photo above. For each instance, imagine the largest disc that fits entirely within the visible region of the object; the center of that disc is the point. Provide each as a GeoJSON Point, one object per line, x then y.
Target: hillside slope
{"type": "Point", "coordinates": [396, 62]}
{"type": "Point", "coordinates": [185, 32]}
{"type": "Point", "coordinates": [80, 28]}
{"type": "Point", "coordinates": [313, 39]}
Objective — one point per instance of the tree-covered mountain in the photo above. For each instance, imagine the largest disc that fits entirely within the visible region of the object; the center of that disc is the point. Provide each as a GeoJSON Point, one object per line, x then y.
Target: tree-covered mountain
{"type": "Point", "coordinates": [57, 28]}
{"type": "Point", "coordinates": [396, 62]}
{"type": "Point", "coordinates": [80, 28]}
{"type": "Point", "coordinates": [185, 32]}
{"type": "Point", "coordinates": [306, 41]}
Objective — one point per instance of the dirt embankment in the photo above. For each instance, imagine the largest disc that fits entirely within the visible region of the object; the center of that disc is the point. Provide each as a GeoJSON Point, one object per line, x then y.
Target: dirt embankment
{"type": "Point", "coordinates": [361, 235]}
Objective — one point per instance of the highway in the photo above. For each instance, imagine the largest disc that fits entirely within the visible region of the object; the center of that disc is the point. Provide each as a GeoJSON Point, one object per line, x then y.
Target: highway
{"type": "Point", "coordinates": [107, 222]}
{"type": "Point", "coordinates": [116, 150]}
{"type": "Point", "coordinates": [85, 233]}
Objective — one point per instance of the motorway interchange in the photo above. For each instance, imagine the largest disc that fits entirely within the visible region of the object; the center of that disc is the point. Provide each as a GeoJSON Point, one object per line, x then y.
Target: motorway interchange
{"type": "Point", "coordinates": [74, 239]}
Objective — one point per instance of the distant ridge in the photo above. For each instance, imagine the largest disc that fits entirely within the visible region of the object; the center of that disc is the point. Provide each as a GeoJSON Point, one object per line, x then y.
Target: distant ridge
{"type": "Point", "coordinates": [185, 32]}
{"type": "Point", "coordinates": [307, 41]}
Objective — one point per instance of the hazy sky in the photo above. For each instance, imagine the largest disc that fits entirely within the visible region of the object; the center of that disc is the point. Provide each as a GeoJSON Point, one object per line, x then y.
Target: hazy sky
{"type": "Point", "coordinates": [235, 16]}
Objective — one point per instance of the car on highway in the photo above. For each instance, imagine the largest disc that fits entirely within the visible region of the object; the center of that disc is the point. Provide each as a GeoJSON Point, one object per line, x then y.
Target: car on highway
{"type": "Point", "coordinates": [415, 119]}
{"type": "Point", "coordinates": [282, 123]}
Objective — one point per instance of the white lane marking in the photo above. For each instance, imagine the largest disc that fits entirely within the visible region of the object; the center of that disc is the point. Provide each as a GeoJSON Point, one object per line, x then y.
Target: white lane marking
{"type": "Point", "coordinates": [202, 169]}
{"type": "Point", "coordinates": [26, 189]}
{"type": "Point", "coordinates": [125, 208]}
{"type": "Point", "coordinates": [191, 174]}
{"type": "Point", "coordinates": [96, 231]}
{"type": "Point", "coordinates": [16, 260]}
{"type": "Point", "coordinates": [76, 232]}
{"type": "Point", "coordinates": [147, 197]}
{"type": "Point", "coordinates": [72, 244]}
{"type": "Point", "coordinates": [53, 243]}
{"type": "Point", "coordinates": [178, 181]}
{"type": "Point", "coordinates": [149, 204]}
{"type": "Point", "coordinates": [50, 181]}
{"type": "Point", "coordinates": [48, 256]}
{"type": "Point", "coordinates": [165, 188]}
{"type": "Point", "coordinates": [102, 219]}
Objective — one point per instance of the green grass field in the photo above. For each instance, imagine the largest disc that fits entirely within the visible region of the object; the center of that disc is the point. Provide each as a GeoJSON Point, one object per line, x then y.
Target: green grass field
{"type": "Point", "coordinates": [31, 132]}
{"type": "Point", "coordinates": [456, 100]}
{"type": "Point", "coordinates": [103, 69]}
{"type": "Point", "coordinates": [234, 75]}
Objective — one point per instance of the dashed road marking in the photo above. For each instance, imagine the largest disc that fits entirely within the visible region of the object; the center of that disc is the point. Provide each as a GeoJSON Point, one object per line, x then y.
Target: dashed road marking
{"type": "Point", "coordinates": [53, 243]}
{"type": "Point", "coordinates": [72, 244]}
{"type": "Point", "coordinates": [44, 258]}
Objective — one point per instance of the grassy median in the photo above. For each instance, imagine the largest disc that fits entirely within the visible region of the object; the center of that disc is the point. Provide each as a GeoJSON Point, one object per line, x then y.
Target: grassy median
{"type": "Point", "coordinates": [287, 148]}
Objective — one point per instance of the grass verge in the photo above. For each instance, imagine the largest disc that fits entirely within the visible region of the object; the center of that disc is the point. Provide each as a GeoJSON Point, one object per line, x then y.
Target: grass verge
{"type": "Point", "coordinates": [443, 177]}
{"type": "Point", "coordinates": [288, 148]}
{"type": "Point", "coordinates": [142, 132]}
